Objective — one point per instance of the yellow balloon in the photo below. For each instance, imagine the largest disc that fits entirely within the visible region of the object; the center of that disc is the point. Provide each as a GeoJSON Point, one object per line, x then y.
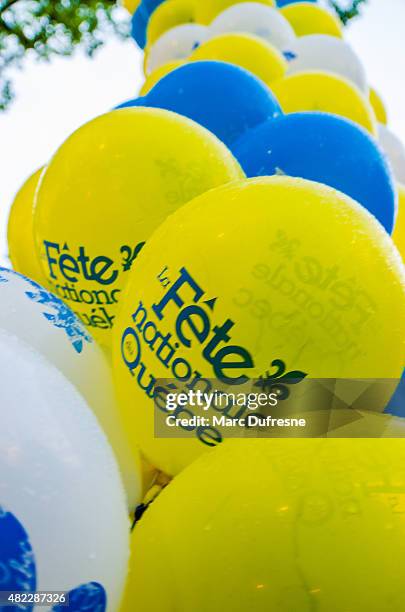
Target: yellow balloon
{"type": "Point", "coordinates": [272, 271]}
{"type": "Point", "coordinates": [398, 235]}
{"type": "Point", "coordinates": [326, 92]}
{"type": "Point", "coordinates": [155, 76]}
{"type": "Point", "coordinates": [152, 481]}
{"type": "Point", "coordinates": [245, 50]}
{"type": "Point", "coordinates": [105, 191]}
{"type": "Point", "coordinates": [207, 10]}
{"type": "Point", "coordinates": [20, 236]}
{"type": "Point", "coordinates": [169, 15]}
{"type": "Point", "coordinates": [131, 5]}
{"type": "Point", "coordinates": [151, 477]}
{"type": "Point", "coordinates": [308, 18]}
{"type": "Point", "coordinates": [148, 473]}
{"type": "Point", "coordinates": [271, 526]}
{"type": "Point", "coordinates": [378, 106]}
{"type": "Point", "coordinates": [250, 52]}
{"type": "Point", "coordinates": [369, 425]}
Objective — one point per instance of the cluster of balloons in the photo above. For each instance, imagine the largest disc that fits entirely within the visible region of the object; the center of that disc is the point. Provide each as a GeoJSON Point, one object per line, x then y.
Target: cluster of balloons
{"type": "Point", "coordinates": [243, 215]}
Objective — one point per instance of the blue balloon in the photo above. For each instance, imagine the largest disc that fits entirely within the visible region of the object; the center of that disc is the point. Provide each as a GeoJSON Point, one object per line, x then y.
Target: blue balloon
{"type": "Point", "coordinates": [281, 3]}
{"type": "Point", "coordinates": [139, 25]}
{"type": "Point", "coordinates": [140, 20]}
{"type": "Point", "coordinates": [225, 99]}
{"type": "Point", "coordinates": [143, 11]}
{"type": "Point", "coordinates": [396, 407]}
{"type": "Point", "coordinates": [323, 148]}
{"type": "Point", "coordinates": [151, 5]}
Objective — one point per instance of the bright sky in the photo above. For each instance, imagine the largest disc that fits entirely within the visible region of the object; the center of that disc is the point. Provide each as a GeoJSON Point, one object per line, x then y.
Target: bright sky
{"type": "Point", "coordinates": [53, 99]}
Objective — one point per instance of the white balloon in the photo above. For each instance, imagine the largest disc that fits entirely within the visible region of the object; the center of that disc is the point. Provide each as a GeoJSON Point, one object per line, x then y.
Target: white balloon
{"type": "Point", "coordinates": [63, 516]}
{"type": "Point", "coordinates": [329, 54]}
{"type": "Point", "coordinates": [176, 44]}
{"type": "Point", "coordinates": [394, 150]}
{"type": "Point", "coordinates": [258, 19]}
{"type": "Point", "coordinates": [43, 321]}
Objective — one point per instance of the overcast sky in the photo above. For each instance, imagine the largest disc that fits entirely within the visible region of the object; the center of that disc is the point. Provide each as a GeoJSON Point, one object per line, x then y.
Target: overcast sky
{"type": "Point", "coordinates": [53, 99]}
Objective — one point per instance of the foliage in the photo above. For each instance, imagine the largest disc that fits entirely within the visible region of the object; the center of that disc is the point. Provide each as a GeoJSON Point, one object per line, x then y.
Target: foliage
{"type": "Point", "coordinates": [45, 28]}
{"type": "Point", "coordinates": [351, 10]}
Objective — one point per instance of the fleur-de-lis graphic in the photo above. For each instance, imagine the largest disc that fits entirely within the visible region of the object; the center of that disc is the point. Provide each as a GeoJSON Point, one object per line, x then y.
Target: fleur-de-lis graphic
{"type": "Point", "coordinates": [181, 184]}
{"type": "Point", "coordinates": [56, 311]}
{"type": "Point", "coordinates": [18, 572]}
{"type": "Point", "coordinates": [289, 55]}
{"type": "Point", "coordinates": [279, 381]}
{"type": "Point", "coordinates": [129, 255]}
{"type": "Point", "coordinates": [167, 167]}
{"type": "Point", "coordinates": [286, 246]}
{"type": "Point", "coordinates": [90, 597]}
